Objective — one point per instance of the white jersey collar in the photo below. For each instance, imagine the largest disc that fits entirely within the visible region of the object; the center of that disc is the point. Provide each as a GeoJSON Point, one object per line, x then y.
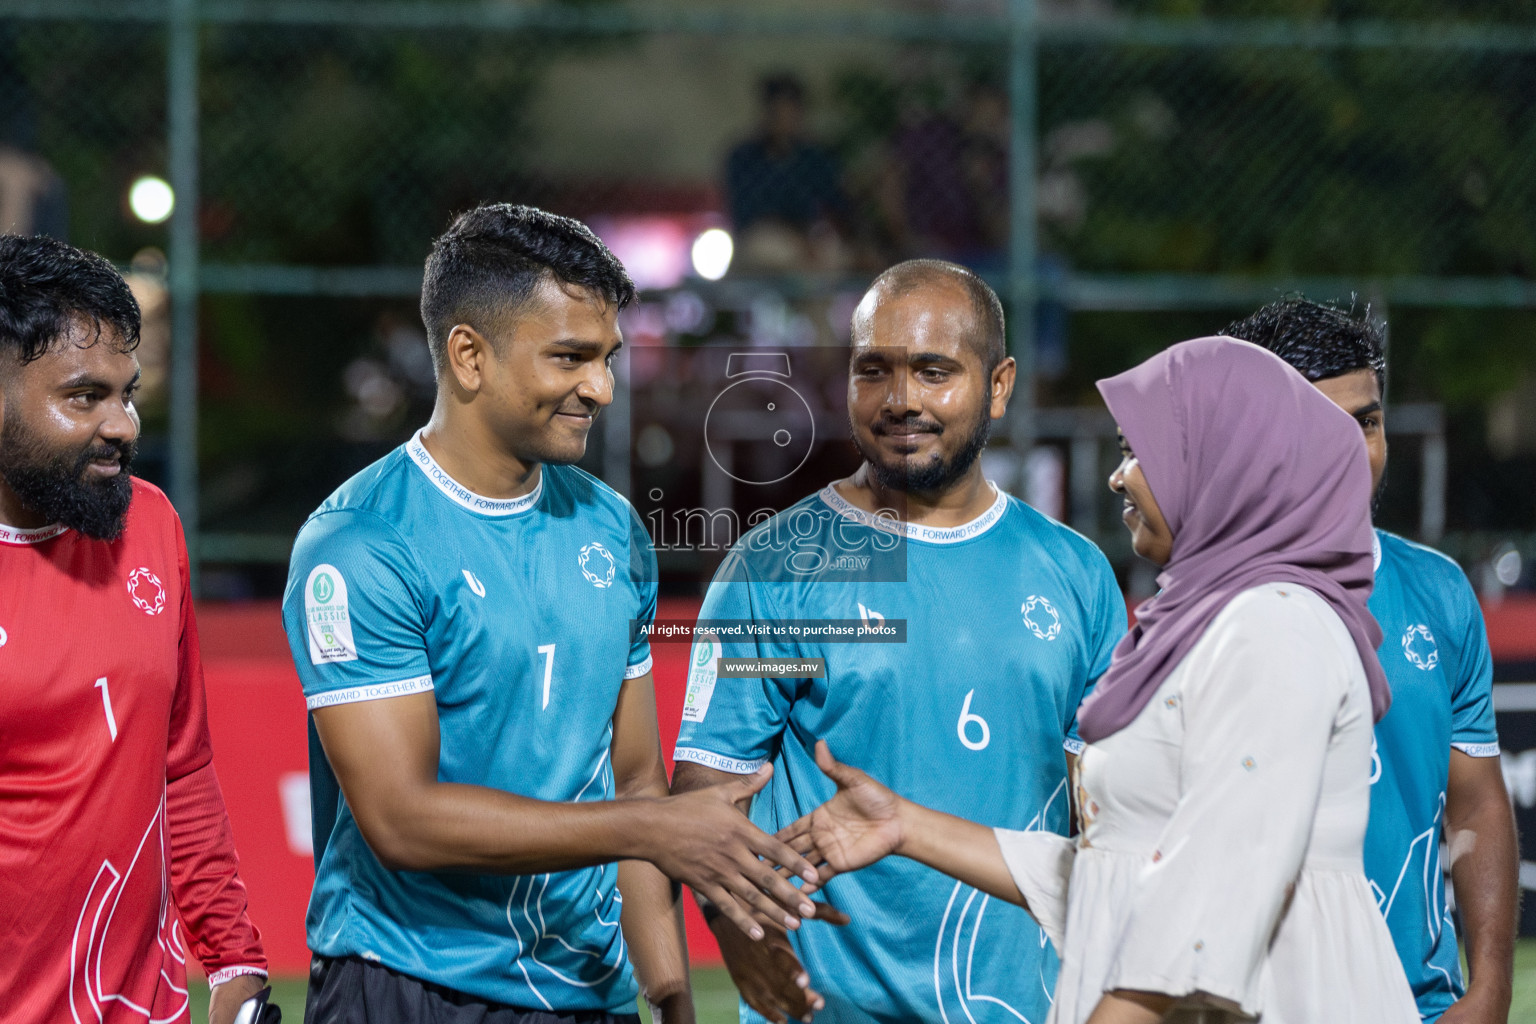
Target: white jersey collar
{"type": "Point", "coordinates": [462, 495]}
{"type": "Point", "coordinates": [17, 535]}
{"type": "Point", "coordinates": [916, 531]}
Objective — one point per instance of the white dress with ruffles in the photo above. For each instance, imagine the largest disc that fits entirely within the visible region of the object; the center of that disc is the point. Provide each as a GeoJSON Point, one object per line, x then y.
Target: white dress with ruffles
{"type": "Point", "coordinates": [1220, 854]}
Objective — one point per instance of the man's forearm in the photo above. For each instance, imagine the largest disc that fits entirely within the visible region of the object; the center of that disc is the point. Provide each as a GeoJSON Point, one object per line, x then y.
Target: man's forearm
{"type": "Point", "coordinates": [1485, 866]}
{"type": "Point", "coordinates": [653, 929]}
{"type": "Point", "coordinates": [205, 879]}
{"type": "Point", "coordinates": [687, 776]}
{"type": "Point", "coordinates": [1485, 869]}
{"type": "Point", "coordinates": [452, 827]}
{"type": "Point", "coordinates": [385, 755]}
{"type": "Point", "coordinates": [652, 918]}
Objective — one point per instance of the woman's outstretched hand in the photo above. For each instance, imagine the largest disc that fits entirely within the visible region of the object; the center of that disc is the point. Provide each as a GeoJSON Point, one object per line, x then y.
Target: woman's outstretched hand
{"type": "Point", "coordinates": [855, 828]}
{"type": "Point", "coordinates": [865, 821]}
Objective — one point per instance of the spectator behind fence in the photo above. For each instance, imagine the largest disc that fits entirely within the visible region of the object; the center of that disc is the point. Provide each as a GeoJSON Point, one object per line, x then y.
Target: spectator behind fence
{"type": "Point", "coordinates": [32, 197]}
{"type": "Point", "coordinates": [784, 190]}
{"type": "Point", "coordinates": [945, 192]}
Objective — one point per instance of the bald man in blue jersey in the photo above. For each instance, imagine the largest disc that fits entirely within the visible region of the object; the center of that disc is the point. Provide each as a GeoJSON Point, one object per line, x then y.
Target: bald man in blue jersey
{"type": "Point", "coordinates": [1009, 616]}
{"type": "Point", "coordinates": [1435, 774]}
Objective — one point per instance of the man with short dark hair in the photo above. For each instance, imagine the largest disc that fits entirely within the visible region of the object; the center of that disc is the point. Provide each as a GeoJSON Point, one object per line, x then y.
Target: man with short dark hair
{"type": "Point", "coordinates": [1009, 616]}
{"type": "Point", "coordinates": [114, 840]}
{"type": "Point", "coordinates": [468, 620]}
{"type": "Point", "coordinates": [1436, 771]}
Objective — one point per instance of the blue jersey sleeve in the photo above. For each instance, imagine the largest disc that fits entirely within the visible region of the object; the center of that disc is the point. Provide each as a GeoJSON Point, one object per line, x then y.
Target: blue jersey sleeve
{"type": "Point", "coordinates": [642, 570]}
{"type": "Point", "coordinates": [354, 611]}
{"type": "Point", "coordinates": [732, 725]}
{"type": "Point", "coordinates": [1473, 730]}
{"type": "Point", "coordinates": [1109, 624]}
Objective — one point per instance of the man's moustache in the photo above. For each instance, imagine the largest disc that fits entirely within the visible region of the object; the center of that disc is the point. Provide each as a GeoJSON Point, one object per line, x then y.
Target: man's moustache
{"type": "Point", "coordinates": [908, 428]}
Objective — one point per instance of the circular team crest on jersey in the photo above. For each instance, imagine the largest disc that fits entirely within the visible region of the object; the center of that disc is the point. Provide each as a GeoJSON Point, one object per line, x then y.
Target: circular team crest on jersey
{"type": "Point", "coordinates": [1041, 618]}
{"type": "Point", "coordinates": [597, 565]}
{"type": "Point", "coordinates": [1419, 647]}
{"type": "Point", "coordinates": [147, 591]}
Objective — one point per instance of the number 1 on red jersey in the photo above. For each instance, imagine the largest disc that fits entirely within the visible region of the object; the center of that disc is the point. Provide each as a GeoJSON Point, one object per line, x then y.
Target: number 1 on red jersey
{"type": "Point", "coordinates": [106, 703]}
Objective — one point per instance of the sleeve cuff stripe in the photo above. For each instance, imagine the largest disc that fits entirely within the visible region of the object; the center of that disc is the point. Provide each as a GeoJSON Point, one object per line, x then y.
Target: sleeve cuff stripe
{"type": "Point", "coordinates": [1477, 749]}
{"type": "Point", "coordinates": [637, 670]}
{"type": "Point", "coordinates": [219, 977]}
{"type": "Point", "coordinates": [734, 765]}
{"type": "Point", "coordinates": [376, 691]}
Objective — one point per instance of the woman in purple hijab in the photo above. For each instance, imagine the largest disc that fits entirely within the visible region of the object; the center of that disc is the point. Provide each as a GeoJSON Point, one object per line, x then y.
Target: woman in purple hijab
{"type": "Point", "coordinates": [1223, 795]}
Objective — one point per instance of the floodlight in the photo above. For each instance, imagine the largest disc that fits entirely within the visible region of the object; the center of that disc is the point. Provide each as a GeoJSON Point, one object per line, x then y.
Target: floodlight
{"type": "Point", "coordinates": [712, 252]}
{"type": "Point", "coordinates": [151, 199]}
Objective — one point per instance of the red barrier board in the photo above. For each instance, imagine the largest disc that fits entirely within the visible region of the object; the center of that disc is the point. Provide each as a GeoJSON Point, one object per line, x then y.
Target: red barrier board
{"type": "Point", "coordinates": [1512, 627]}
{"type": "Point", "coordinates": [256, 714]}
{"type": "Point", "coordinates": [260, 750]}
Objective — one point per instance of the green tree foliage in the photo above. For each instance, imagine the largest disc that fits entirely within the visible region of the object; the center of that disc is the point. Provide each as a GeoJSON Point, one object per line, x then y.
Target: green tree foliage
{"type": "Point", "coordinates": [337, 147]}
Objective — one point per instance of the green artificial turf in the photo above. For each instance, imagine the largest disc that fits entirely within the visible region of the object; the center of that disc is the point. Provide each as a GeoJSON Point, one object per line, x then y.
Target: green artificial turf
{"type": "Point", "coordinates": [1523, 1008]}
{"type": "Point", "coordinates": [715, 998]}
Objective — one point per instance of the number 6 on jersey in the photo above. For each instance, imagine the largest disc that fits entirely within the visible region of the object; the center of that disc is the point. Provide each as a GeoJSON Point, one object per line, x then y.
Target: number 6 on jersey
{"type": "Point", "coordinates": [966, 718]}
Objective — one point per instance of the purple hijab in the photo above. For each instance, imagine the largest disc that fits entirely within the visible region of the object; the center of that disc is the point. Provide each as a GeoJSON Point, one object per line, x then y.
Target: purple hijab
{"type": "Point", "coordinates": [1261, 479]}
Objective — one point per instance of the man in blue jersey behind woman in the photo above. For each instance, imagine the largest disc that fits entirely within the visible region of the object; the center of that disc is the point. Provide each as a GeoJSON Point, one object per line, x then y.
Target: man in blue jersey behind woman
{"type": "Point", "coordinates": [1225, 786]}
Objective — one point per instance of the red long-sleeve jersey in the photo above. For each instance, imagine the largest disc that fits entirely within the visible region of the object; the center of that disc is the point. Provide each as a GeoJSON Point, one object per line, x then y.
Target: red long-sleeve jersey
{"type": "Point", "coordinates": [114, 840]}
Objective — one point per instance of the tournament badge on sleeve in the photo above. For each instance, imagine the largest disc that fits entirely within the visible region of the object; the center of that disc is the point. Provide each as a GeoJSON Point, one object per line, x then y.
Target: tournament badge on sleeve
{"type": "Point", "coordinates": [702, 673]}
{"type": "Point", "coordinates": [326, 614]}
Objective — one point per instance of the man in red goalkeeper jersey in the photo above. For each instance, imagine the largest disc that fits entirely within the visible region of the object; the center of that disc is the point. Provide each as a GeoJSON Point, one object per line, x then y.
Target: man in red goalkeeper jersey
{"type": "Point", "coordinates": [116, 859]}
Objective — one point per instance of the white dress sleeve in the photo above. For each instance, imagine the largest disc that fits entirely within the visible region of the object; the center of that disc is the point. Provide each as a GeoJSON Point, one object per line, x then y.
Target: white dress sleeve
{"type": "Point", "coordinates": [1041, 864]}
{"type": "Point", "coordinates": [1262, 690]}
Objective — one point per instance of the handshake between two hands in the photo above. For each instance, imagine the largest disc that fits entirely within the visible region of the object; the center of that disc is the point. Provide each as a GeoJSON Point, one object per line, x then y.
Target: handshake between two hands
{"type": "Point", "coordinates": [746, 875]}
{"type": "Point", "coordinates": [857, 827]}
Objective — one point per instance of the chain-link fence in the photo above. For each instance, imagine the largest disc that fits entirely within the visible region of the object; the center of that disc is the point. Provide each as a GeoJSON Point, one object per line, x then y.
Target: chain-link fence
{"type": "Point", "coordinates": [754, 169]}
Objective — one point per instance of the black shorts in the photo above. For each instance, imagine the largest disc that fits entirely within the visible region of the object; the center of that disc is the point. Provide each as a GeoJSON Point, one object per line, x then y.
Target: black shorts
{"type": "Point", "coordinates": [351, 990]}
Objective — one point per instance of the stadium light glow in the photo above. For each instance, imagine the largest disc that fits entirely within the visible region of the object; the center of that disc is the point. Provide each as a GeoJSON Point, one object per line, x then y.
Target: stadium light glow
{"type": "Point", "coordinates": [151, 199]}
{"type": "Point", "coordinates": [712, 253]}
{"type": "Point", "coordinates": [1507, 567]}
